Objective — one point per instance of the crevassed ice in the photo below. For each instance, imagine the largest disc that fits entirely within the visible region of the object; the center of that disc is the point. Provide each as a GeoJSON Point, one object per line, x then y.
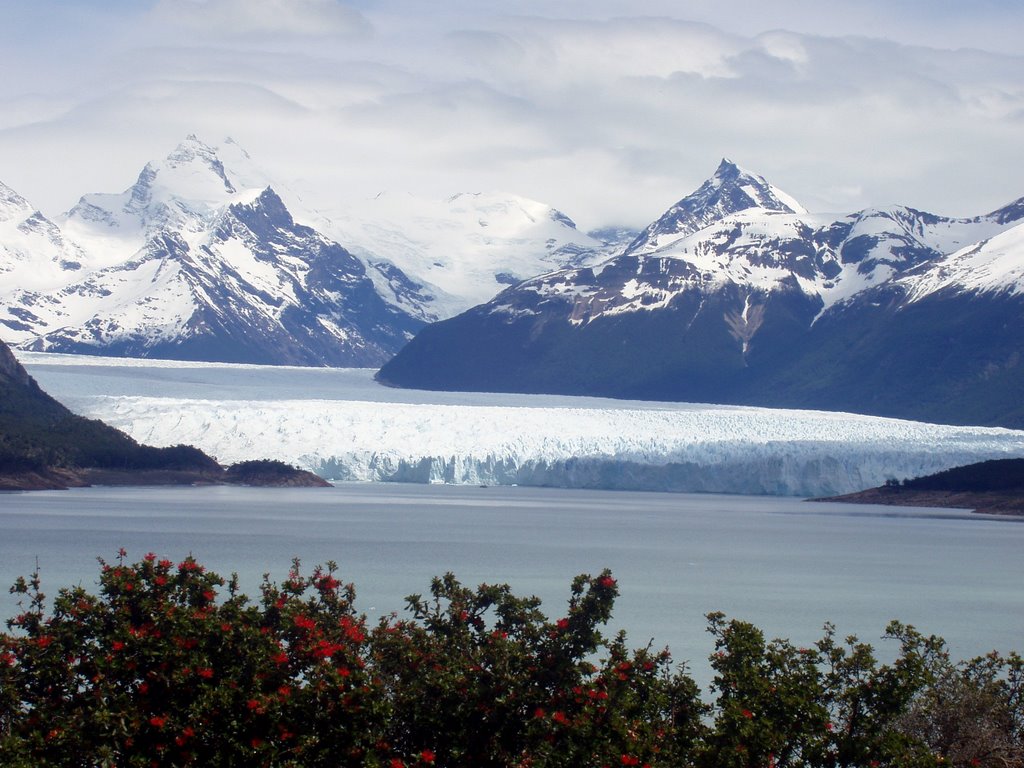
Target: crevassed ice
{"type": "Point", "coordinates": [342, 425]}
{"type": "Point", "coordinates": [748, 450]}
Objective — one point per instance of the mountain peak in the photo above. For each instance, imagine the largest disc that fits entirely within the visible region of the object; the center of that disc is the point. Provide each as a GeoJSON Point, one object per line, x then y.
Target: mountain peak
{"type": "Point", "coordinates": [196, 154]}
{"type": "Point", "coordinates": [1009, 213]}
{"type": "Point", "coordinates": [13, 207]}
{"type": "Point", "coordinates": [730, 190]}
{"type": "Point", "coordinates": [727, 169]}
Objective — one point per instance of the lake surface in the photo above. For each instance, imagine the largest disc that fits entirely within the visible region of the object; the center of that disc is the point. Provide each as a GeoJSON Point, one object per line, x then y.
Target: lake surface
{"type": "Point", "coordinates": [784, 564]}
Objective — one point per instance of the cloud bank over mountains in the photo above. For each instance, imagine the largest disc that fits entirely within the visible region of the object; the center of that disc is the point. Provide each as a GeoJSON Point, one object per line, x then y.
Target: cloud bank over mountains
{"type": "Point", "coordinates": [606, 110]}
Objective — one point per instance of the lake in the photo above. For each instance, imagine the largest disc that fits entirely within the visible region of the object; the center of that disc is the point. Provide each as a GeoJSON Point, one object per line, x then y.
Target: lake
{"type": "Point", "coordinates": [784, 564]}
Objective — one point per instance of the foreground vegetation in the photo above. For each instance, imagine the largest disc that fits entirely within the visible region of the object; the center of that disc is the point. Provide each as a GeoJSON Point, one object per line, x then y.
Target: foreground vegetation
{"type": "Point", "coordinates": [169, 665]}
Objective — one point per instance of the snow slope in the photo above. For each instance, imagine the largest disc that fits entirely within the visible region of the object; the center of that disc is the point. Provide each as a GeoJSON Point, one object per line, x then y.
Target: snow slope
{"type": "Point", "coordinates": [34, 254]}
{"type": "Point", "coordinates": [342, 425]}
{"type": "Point", "coordinates": [195, 261]}
{"type": "Point", "coordinates": [995, 265]}
{"type": "Point", "coordinates": [466, 248]}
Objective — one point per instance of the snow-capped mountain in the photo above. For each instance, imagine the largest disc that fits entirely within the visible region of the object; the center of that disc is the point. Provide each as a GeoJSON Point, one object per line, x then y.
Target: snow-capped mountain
{"type": "Point", "coordinates": [465, 249]}
{"type": "Point", "coordinates": [199, 259]}
{"type": "Point", "coordinates": [737, 294]}
{"type": "Point", "coordinates": [33, 251]}
{"type": "Point", "coordinates": [730, 190]}
{"type": "Point", "coordinates": [205, 255]}
{"type": "Point", "coordinates": [992, 266]}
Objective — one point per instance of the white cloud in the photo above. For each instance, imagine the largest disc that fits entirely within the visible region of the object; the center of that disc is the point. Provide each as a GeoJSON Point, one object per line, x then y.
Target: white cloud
{"type": "Point", "coordinates": [239, 18]}
{"type": "Point", "coordinates": [611, 119]}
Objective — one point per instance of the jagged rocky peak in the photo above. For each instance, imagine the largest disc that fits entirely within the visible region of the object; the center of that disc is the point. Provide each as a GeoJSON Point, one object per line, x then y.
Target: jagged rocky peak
{"type": "Point", "coordinates": [181, 190]}
{"type": "Point", "coordinates": [729, 191]}
{"type": "Point", "coordinates": [13, 207]}
{"type": "Point", "coordinates": [732, 189]}
{"type": "Point", "coordinates": [192, 171]}
{"type": "Point", "coordinates": [263, 216]}
{"type": "Point", "coordinates": [192, 151]}
{"type": "Point", "coordinates": [1009, 213]}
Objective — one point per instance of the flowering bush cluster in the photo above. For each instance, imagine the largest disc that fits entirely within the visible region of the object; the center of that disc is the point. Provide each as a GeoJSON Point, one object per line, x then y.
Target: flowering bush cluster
{"type": "Point", "coordinates": [169, 665]}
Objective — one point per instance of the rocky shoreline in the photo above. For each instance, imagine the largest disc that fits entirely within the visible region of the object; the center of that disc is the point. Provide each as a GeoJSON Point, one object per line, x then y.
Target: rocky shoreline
{"type": "Point", "coordinates": [990, 487]}
{"type": "Point", "coordinates": [53, 479]}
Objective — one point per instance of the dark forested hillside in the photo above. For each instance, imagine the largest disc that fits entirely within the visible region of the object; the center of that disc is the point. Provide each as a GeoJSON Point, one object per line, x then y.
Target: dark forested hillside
{"type": "Point", "coordinates": [36, 431]}
{"type": "Point", "coordinates": [995, 486]}
{"type": "Point", "coordinates": [44, 445]}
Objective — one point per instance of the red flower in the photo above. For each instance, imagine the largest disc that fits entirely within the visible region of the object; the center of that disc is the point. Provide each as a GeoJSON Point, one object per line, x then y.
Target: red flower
{"type": "Point", "coordinates": [560, 718]}
{"type": "Point", "coordinates": [397, 763]}
{"type": "Point", "coordinates": [562, 624]}
{"type": "Point", "coordinates": [158, 721]}
{"type": "Point", "coordinates": [747, 714]}
{"type": "Point", "coordinates": [630, 760]}
{"type": "Point", "coordinates": [328, 583]}
{"type": "Point", "coordinates": [607, 582]}
{"type": "Point", "coordinates": [205, 672]}
{"type": "Point", "coordinates": [304, 622]}
{"type": "Point", "coordinates": [117, 645]}
{"type": "Point", "coordinates": [428, 755]}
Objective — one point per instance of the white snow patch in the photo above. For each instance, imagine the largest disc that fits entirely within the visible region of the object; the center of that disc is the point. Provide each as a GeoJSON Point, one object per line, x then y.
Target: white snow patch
{"type": "Point", "coordinates": [996, 264]}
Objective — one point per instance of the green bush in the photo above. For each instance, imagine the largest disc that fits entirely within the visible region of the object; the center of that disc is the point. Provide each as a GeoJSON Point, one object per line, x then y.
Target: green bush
{"type": "Point", "coordinates": [170, 665]}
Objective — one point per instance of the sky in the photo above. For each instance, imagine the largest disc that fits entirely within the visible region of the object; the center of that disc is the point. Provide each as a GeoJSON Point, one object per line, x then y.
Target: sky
{"type": "Point", "coordinates": [608, 110]}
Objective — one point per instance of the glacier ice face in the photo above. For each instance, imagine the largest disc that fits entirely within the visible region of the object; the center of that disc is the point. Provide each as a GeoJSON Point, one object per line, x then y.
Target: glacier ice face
{"type": "Point", "coordinates": [342, 425]}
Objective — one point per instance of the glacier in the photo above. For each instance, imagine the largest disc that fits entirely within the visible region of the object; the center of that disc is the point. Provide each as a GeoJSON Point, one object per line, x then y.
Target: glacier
{"type": "Point", "coordinates": [344, 426]}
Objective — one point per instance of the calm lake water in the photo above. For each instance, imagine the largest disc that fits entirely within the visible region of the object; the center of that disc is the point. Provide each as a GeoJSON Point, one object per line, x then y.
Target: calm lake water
{"type": "Point", "coordinates": [784, 564]}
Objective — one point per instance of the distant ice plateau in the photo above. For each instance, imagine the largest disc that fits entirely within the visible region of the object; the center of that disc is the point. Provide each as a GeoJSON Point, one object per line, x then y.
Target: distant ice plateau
{"type": "Point", "coordinates": [344, 426]}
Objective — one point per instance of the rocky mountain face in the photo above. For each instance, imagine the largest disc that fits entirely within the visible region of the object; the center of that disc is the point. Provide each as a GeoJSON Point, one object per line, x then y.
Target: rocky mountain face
{"type": "Point", "coordinates": [203, 257]}
{"type": "Point", "coordinates": [738, 295]}
{"type": "Point", "coordinates": [199, 259]}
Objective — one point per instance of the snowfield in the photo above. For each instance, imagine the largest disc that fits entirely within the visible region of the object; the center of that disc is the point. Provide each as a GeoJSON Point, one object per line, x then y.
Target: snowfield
{"type": "Point", "coordinates": [342, 425]}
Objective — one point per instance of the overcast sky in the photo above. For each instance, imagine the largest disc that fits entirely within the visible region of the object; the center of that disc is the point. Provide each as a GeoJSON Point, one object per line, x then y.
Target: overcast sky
{"type": "Point", "coordinates": [608, 110]}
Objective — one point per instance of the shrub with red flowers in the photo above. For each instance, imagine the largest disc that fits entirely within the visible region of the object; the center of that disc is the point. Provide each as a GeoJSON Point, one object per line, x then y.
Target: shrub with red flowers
{"type": "Point", "coordinates": [170, 665]}
{"type": "Point", "coordinates": [160, 667]}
